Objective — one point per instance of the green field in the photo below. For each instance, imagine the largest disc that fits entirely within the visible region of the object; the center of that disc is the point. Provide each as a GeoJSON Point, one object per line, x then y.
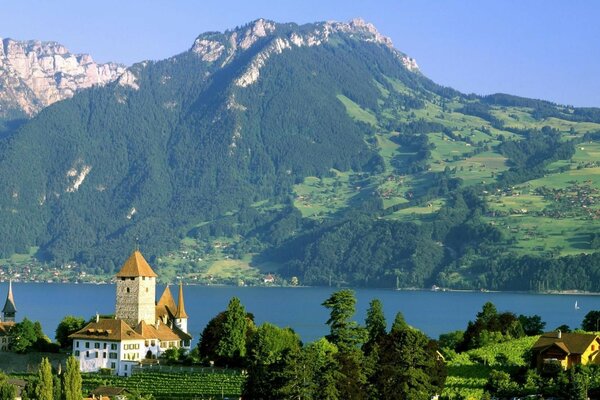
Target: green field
{"type": "Point", "coordinates": [468, 371]}
{"type": "Point", "coordinates": [356, 112]}
{"type": "Point", "coordinates": [187, 383]}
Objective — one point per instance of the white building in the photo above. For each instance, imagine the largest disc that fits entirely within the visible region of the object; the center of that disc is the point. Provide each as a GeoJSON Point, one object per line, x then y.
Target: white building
{"type": "Point", "coordinates": [113, 343]}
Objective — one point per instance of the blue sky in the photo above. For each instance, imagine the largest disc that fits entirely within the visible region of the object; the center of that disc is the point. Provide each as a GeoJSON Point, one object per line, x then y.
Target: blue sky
{"type": "Point", "coordinates": [536, 48]}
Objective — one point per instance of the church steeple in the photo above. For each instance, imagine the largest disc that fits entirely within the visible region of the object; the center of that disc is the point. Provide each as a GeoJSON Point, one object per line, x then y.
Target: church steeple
{"type": "Point", "coordinates": [9, 309]}
{"type": "Point", "coordinates": [181, 316]}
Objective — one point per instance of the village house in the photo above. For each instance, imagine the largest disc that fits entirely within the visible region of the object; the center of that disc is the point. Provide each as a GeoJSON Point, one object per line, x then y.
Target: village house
{"type": "Point", "coordinates": [566, 349]}
{"type": "Point", "coordinates": [142, 328]}
{"type": "Point", "coordinates": [8, 319]}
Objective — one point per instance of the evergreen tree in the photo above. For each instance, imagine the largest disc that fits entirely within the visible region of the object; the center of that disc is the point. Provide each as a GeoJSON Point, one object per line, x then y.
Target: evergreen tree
{"type": "Point", "coordinates": [232, 345]}
{"type": "Point", "coordinates": [72, 380]}
{"type": "Point", "coordinates": [44, 388]}
{"type": "Point", "coordinates": [344, 333]}
{"type": "Point", "coordinates": [407, 367]}
{"type": "Point", "coordinates": [311, 373]}
{"type": "Point", "coordinates": [375, 322]}
{"type": "Point", "coordinates": [399, 323]}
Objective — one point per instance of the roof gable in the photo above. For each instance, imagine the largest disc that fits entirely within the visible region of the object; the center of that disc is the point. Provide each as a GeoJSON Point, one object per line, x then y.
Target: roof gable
{"type": "Point", "coordinates": [136, 265]}
{"type": "Point", "coordinates": [572, 343]}
{"type": "Point", "coordinates": [107, 329]}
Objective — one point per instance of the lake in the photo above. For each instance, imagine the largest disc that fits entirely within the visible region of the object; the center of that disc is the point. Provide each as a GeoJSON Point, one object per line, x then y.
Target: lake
{"type": "Point", "coordinates": [300, 308]}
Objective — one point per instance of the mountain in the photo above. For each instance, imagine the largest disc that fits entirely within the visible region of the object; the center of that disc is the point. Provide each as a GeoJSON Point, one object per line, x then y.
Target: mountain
{"type": "Point", "coordinates": [35, 74]}
{"type": "Point", "coordinates": [314, 151]}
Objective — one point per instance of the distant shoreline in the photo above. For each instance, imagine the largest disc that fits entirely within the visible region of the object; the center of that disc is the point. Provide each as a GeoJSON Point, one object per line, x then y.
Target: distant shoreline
{"type": "Point", "coordinates": [410, 289]}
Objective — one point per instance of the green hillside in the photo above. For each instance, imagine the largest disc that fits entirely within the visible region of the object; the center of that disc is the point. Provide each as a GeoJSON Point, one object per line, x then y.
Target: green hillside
{"type": "Point", "coordinates": [332, 163]}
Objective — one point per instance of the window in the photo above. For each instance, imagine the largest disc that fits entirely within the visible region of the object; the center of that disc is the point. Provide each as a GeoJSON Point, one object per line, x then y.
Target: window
{"type": "Point", "coordinates": [3, 340]}
{"type": "Point", "coordinates": [147, 343]}
{"type": "Point", "coordinates": [104, 347]}
{"type": "Point", "coordinates": [112, 355]}
{"type": "Point", "coordinates": [113, 346]}
{"type": "Point", "coordinates": [127, 290]}
{"type": "Point", "coordinates": [87, 353]}
{"type": "Point", "coordinates": [125, 367]}
{"type": "Point", "coordinates": [96, 345]}
{"type": "Point", "coordinates": [76, 353]}
{"type": "Point", "coordinates": [87, 345]}
{"type": "Point", "coordinates": [104, 355]}
{"type": "Point", "coordinates": [77, 343]}
{"type": "Point", "coordinates": [122, 279]}
{"type": "Point", "coordinates": [153, 343]}
{"type": "Point", "coordinates": [146, 290]}
{"type": "Point", "coordinates": [96, 354]}
{"type": "Point", "coordinates": [113, 365]}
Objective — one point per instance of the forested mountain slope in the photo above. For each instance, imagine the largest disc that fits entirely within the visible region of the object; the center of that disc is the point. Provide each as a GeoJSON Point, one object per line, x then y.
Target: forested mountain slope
{"type": "Point", "coordinates": [315, 151]}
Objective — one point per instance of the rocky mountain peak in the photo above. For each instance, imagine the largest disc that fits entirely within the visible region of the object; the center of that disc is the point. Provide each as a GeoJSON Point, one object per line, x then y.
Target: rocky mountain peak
{"type": "Point", "coordinates": [35, 74]}
{"type": "Point", "coordinates": [223, 47]}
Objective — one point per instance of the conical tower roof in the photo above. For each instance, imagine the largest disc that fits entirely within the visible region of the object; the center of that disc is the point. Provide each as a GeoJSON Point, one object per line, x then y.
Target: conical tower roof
{"type": "Point", "coordinates": [180, 304]}
{"type": "Point", "coordinates": [9, 306]}
{"type": "Point", "coordinates": [136, 266]}
{"type": "Point", "coordinates": [167, 300]}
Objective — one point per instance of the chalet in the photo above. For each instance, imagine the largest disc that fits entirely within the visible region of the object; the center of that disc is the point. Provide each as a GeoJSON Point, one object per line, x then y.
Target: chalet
{"type": "Point", "coordinates": [566, 349]}
{"type": "Point", "coordinates": [8, 319]}
{"type": "Point", "coordinates": [142, 328]}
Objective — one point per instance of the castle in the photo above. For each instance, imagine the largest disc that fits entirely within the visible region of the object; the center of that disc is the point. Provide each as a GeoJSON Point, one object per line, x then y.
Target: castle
{"type": "Point", "coordinates": [142, 329]}
{"type": "Point", "coordinates": [8, 319]}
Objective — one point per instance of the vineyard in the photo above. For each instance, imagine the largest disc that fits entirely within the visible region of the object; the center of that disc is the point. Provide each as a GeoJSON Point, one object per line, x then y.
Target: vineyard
{"type": "Point", "coordinates": [201, 384]}
{"type": "Point", "coordinates": [468, 372]}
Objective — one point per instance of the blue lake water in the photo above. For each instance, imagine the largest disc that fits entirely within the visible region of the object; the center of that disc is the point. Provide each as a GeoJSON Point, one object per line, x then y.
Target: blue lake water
{"type": "Point", "coordinates": [300, 308]}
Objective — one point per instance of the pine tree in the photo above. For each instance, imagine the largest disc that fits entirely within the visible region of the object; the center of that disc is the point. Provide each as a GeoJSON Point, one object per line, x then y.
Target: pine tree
{"type": "Point", "coordinates": [344, 332]}
{"type": "Point", "coordinates": [72, 380]}
{"type": "Point", "coordinates": [44, 388]}
{"type": "Point", "coordinates": [375, 321]}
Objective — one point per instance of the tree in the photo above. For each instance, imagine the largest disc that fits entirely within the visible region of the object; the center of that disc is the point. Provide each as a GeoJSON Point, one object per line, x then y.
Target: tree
{"type": "Point", "coordinates": [44, 387]}
{"type": "Point", "coordinates": [266, 353]}
{"type": "Point", "coordinates": [7, 391]}
{"type": "Point", "coordinates": [408, 367]}
{"type": "Point", "coordinates": [532, 325]}
{"type": "Point", "coordinates": [67, 326]}
{"type": "Point", "coordinates": [232, 345]}
{"type": "Point", "coordinates": [399, 323]}
{"type": "Point", "coordinates": [344, 333]}
{"type": "Point", "coordinates": [311, 373]}
{"type": "Point", "coordinates": [22, 336]}
{"type": "Point", "coordinates": [591, 321]}
{"type": "Point", "coordinates": [72, 380]}
{"type": "Point", "coordinates": [375, 322]}
{"type": "Point", "coordinates": [451, 340]}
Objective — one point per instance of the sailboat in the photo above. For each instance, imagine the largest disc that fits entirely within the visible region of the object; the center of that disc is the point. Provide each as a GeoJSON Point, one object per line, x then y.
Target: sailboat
{"type": "Point", "coordinates": [576, 306]}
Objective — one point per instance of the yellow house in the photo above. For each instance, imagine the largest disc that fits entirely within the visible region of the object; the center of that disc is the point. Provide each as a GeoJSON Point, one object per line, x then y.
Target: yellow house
{"type": "Point", "coordinates": [566, 349]}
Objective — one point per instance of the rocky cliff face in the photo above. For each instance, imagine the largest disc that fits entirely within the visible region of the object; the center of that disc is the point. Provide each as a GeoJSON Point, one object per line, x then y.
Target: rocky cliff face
{"type": "Point", "coordinates": [35, 74]}
{"type": "Point", "coordinates": [223, 48]}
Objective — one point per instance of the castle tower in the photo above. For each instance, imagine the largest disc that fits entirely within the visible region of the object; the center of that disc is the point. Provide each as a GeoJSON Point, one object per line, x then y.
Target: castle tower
{"type": "Point", "coordinates": [181, 316]}
{"type": "Point", "coordinates": [136, 291]}
{"type": "Point", "coordinates": [9, 310]}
